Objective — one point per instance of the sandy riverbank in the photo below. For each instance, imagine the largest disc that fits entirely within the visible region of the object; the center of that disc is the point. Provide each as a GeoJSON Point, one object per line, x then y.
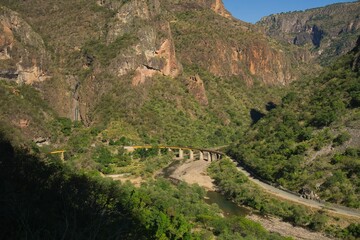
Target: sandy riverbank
{"type": "Point", "coordinates": [126, 177]}
{"type": "Point", "coordinates": [194, 171]}
{"type": "Point", "coordinates": [273, 224]}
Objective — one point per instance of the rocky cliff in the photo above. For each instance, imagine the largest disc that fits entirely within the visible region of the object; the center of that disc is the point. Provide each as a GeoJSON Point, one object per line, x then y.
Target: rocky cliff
{"type": "Point", "coordinates": [146, 63]}
{"type": "Point", "coordinates": [95, 46]}
{"type": "Point", "coordinates": [22, 51]}
{"type": "Point", "coordinates": [328, 32]}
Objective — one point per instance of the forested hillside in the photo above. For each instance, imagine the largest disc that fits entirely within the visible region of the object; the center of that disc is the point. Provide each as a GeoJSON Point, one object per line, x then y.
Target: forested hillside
{"type": "Point", "coordinates": [150, 67]}
{"type": "Point", "coordinates": [43, 199]}
{"type": "Point", "coordinates": [311, 140]}
{"type": "Point", "coordinates": [158, 71]}
{"type": "Point", "coordinates": [88, 77]}
{"type": "Point", "coordinates": [327, 32]}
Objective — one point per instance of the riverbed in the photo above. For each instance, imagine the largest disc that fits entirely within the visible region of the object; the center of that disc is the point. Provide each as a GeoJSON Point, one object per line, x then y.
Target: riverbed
{"type": "Point", "coordinates": [190, 171]}
{"type": "Point", "coordinates": [195, 171]}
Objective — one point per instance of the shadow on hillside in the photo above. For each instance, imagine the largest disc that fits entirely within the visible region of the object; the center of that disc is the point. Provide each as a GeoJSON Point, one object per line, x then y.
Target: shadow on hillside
{"type": "Point", "coordinates": [43, 200]}
{"type": "Point", "coordinates": [270, 106]}
{"type": "Point", "coordinates": [256, 115]}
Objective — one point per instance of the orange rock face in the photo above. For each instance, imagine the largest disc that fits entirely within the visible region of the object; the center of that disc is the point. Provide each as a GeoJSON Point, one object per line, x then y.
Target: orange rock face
{"type": "Point", "coordinates": [196, 87]}
{"type": "Point", "coordinates": [25, 53]}
{"type": "Point", "coordinates": [218, 7]}
{"type": "Point", "coordinates": [165, 54]}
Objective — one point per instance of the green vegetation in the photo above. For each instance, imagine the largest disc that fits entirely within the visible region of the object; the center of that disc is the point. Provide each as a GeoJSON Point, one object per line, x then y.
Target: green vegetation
{"type": "Point", "coordinates": [105, 53]}
{"type": "Point", "coordinates": [63, 204]}
{"type": "Point", "coordinates": [91, 56]}
{"type": "Point", "coordinates": [164, 112]}
{"type": "Point", "coordinates": [41, 198]}
{"type": "Point", "coordinates": [23, 107]}
{"type": "Point", "coordinates": [236, 187]}
{"type": "Point", "coordinates": [282, 147]}
{"type": "Point", "coordinates": [239, 189]}
{"type": "Point", "coordinates": [87, 58]}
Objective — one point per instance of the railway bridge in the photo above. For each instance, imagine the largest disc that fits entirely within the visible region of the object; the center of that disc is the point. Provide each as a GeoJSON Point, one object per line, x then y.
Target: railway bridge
{"type": "Point", "coordinates": [180, 152]}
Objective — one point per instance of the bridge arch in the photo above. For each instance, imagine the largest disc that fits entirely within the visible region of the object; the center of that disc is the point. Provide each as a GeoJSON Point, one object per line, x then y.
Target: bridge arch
{"type": "Point", "coordinates": [193, 153]}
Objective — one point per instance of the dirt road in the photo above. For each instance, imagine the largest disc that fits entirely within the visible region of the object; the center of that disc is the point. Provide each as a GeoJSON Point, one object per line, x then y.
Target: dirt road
{"type": "Point", "coordinates": [294, 198]}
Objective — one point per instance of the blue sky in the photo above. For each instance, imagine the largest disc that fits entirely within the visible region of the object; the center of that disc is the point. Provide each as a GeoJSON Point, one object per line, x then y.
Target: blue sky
{"type": "Point", "coordinates": [253, 10]}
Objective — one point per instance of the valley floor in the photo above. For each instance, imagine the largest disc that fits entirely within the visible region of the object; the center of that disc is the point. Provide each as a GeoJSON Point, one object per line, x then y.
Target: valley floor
{"type": "Point", "coordinates": [286, 229]}
{"type": "Point", "coordinates": [336, 210]}
{"type": "Point", "coordinates": [195, 171]}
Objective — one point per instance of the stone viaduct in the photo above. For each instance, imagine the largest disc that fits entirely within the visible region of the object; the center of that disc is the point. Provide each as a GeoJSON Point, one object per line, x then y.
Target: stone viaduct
{"type": "Point", "coordinates": [181, 152]}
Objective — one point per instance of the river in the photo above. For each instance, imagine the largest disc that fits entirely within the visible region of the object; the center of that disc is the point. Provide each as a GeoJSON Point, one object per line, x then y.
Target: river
{"type": "Point", "coordinates": [228, 207]}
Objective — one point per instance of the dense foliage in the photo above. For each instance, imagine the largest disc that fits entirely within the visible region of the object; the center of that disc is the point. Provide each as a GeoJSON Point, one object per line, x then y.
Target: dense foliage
{"type": "Point", "coordinates": [43, 199]}
{"type": "Point", "coordinates": [91, 54]}
{"type": "Point", "coordinates": [301, 142]}
{"type": "Point", "coordinates": [236, 186]}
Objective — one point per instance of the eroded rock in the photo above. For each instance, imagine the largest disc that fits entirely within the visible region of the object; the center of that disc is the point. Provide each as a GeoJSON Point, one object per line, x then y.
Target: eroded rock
{"type": "Point", "coordinates": [22, 58]}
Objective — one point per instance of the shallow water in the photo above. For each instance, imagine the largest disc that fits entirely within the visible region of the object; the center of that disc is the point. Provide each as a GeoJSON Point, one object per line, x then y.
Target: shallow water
{"type": "Point", "coordinates": [228, 207]}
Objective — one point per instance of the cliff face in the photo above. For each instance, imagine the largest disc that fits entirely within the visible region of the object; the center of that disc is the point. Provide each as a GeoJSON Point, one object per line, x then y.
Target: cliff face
{"type": "Point", "coordinates": [328, 32]}
{"type": "Point", "coordinates": [153, 64]}
{"type": "Point", "coordinates": [228, 47]}
{"type": "Point", "coordinates": [100, 61]}
{"type": "Point", "coordinates": [162, 42]}
{"type": "Point", "coordinates": [22, 51]}
{"type": "Point", "coordinates": [130, 42]}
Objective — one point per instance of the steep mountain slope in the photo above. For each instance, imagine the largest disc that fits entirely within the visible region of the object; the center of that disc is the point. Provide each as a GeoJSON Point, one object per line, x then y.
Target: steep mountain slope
{"type": "Point", "coordinates": [179, 71]}
{"type": "Point", "coordinates": [311, 142]}
{"type": "Point", "coordinates": [328, 32]}
{"type": "Point", "coordinates": [169, 68]}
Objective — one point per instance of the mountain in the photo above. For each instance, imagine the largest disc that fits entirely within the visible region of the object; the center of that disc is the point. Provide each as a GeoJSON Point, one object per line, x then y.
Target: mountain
{"type": "Point", "coordinates": [166, 67]}
{"type": "Point", "coordinates": [90, 76]}
{"type": "Point", "coordinates": [310, 142]}
{"type": "Point", "coordinates": [327, 31]}
{"type": "Point", "coordinates": [159, 71]}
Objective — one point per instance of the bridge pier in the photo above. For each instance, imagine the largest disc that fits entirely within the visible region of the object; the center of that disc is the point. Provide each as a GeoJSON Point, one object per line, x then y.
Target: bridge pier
{"type": "Point", "coordinates": [209, 156]}
{"type": "Point", "coordinates": [191, 154]}
{"type": "Point", "coordinates": [181, 153]}
{"type": "Point", "coordinates": [201, 156]}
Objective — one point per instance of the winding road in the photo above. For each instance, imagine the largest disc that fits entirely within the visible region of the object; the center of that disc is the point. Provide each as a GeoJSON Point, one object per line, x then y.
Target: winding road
{"type": "Point", "coordinates": [285, 195]}
{"type": "Point", "coordinates": [340, 210]}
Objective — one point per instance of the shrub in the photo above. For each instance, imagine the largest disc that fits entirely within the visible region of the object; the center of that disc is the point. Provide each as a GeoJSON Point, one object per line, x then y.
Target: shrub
{"type": "Point", "coordinates": [66, 125]}
{"type": "Point", "coordinates": [352, 152]}
{"type": "Point", "coordinates": [318, 221]}
{"type": "Point", "coordinates": [341, 138]}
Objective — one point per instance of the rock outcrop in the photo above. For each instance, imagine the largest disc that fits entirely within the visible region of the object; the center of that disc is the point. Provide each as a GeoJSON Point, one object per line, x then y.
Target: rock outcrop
{"type": "Point", "coordinates": [356, 51]}
{"type": "Point", "coordinates": [328, 32]}
{"type": "Point", "coordinates": [162, 61]}
{"type": "Point", "coordinates": [229, 47]}
{"type": "Point", "coordinates": [219, 8]}
{"type": "Point", "coordinates": [123, 44]}
{"type": "Point", "coordinates": [196, 87]}
{"type": "Point", "coordinates": [22, 51]}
